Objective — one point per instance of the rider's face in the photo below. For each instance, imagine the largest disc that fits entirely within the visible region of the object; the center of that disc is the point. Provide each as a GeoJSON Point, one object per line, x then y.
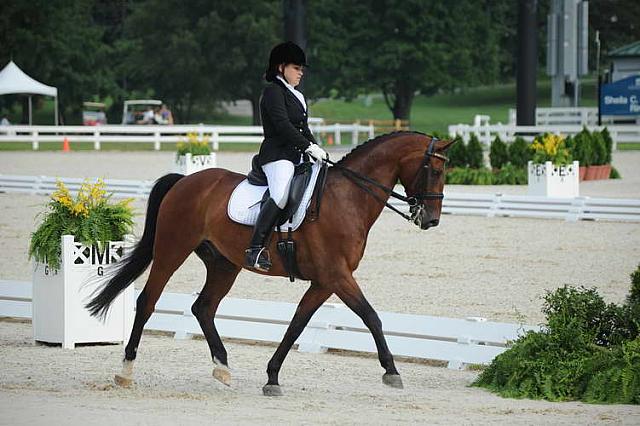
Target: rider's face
{"type": "Point", "coordinates": [292, 73]}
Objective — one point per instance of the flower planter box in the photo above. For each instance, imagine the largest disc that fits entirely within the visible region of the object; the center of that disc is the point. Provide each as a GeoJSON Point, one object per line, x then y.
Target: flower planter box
{"type": "Point", "coordinates": [59, 297]}
{"type": "Point", "coordinates": [551, 180]}
{"type": "Point", "coordinates": [583, 172]}
{"type": "Point", "coordinates": [188, 164]}
{"type": "Point", "coordinates": [591, 173]}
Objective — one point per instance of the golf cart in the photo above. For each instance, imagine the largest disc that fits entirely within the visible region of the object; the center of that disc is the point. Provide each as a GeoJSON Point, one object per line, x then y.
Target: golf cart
{"type": "Point", "coordinates": [134, 111]}
{"type": "Point", "coordinates": [93, 114]}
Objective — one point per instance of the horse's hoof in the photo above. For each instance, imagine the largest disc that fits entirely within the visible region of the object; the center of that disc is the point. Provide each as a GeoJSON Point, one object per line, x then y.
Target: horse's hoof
{"type": "Point", "coordinates": [392, 380]}
{"type": "Point", "coordinates": [272, 390]}
{"type": "Point", "coordinates": [123, 381]}
{"type": "Point", "coordinates": [222, 374]}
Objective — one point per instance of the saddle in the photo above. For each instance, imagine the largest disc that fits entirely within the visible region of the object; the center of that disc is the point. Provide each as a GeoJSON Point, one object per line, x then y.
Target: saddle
{"type": "Point", "coordinates": [301, 178]}
{"type": "Point", "coordinates": [307, 183]}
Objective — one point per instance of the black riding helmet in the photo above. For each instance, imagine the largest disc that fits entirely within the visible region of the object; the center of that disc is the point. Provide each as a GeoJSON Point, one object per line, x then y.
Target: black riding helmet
{"type": "Point", "coordinates": [284, 53]}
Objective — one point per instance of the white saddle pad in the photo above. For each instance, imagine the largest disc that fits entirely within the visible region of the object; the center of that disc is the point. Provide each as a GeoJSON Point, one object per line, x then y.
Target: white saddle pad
{"type": "Point", "coordinates": [244, 204]}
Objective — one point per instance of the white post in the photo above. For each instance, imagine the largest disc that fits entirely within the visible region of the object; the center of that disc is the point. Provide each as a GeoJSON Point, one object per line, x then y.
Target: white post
{"type": "Point", "coordinates": [337, 133]}
{"type": "Point", "coordinates": [354, 134]}
{"type": "Point", "coordinates": [34, 140]}
{"type": "Point", "coordinates": [215, 141]}
{"type": "Point", "coordinates": [371, 131]}
{"type": "Point", "coordinates": [68, 299]}
{"type": "Point", "coordinates": [96, 139]}
{"type": "Point", "coordinates": [156, 141]}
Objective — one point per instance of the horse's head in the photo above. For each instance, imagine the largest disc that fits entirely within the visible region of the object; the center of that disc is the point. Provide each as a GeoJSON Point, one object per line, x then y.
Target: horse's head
{"type": "Point", "coordinates": [422, 175]}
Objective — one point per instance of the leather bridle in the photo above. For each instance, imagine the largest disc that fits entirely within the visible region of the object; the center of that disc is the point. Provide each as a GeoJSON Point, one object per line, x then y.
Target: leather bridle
{"type": "Point", "coordinates": [420, 181]}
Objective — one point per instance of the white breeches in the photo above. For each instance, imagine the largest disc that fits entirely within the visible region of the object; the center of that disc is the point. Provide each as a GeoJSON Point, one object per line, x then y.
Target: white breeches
{"type": "Point", "coordinates": [279, 174]}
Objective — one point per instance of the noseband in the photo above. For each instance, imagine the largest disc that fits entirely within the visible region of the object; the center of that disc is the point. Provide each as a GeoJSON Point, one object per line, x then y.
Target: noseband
{"type": "Point", "coordinates": [416, 205]}
{"type": "Point", "coordinates": [414, 201]}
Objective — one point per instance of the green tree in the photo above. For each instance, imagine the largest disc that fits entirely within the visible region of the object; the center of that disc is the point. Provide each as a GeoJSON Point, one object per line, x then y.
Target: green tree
{"type": "Point", "coordinates": [401, 47]}
{"type": "Point", "coordinates": [164, 56]}
{"type": "Point", "coordinates": [237, 38]}
{"type": "Point", "coordinates": [60, 44]}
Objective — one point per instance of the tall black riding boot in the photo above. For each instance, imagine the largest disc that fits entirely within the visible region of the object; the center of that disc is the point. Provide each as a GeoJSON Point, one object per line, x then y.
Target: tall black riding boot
{"type": "Point", "coordinates": [257, 255]}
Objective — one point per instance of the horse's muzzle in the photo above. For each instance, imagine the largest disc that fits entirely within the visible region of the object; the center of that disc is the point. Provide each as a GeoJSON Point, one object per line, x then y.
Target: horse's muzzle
{"type": "Point", "coordinates": [430, 224]}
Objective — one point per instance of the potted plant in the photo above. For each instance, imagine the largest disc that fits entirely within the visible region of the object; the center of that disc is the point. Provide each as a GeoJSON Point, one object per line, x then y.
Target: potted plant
{"type": "Point", "coordinates": [599, 156]}
{"type": "Point", "coordinates": [581, 150]}
{"type": "Point", "coordinates": [71, 248]}
{"type": "Point", "coordinates": [551, 172]}
{"type": "Point", "coordinates": [194, 155]}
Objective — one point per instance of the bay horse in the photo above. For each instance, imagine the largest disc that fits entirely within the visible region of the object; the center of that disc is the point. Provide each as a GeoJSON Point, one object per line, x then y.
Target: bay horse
{"type": "Point", "coordinates": [189, 213]}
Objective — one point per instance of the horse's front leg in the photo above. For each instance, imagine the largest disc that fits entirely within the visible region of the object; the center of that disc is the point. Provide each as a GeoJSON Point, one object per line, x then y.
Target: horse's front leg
{"type": "Point", "coordinates": [309, 304]}
{"type": "Point", "coordinates": [349, 292]}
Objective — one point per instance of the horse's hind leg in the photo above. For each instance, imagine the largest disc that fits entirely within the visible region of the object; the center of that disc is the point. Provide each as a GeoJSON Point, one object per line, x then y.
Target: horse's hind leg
{"type": "Point", "coordinates": [349, 292]}
{"type": "Point", "coordinates": [221, 274]}
{"type": "Point", "coordinates": [309, 304]}
{"type": "Point", "coordinates": [165, 263]}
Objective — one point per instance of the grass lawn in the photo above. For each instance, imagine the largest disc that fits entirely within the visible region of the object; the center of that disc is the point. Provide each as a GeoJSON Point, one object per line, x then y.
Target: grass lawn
{"type": "Point", "coordinates": [436, 113]}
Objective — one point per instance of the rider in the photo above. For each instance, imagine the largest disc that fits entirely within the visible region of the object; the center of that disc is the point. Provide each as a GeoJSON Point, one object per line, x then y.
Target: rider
{"type": "Point", "coordinates": [287, 142]}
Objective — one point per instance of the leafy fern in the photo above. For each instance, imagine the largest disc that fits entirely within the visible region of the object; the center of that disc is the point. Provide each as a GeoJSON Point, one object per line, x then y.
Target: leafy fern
{"type": "Point", "coordinates": [589, 351]}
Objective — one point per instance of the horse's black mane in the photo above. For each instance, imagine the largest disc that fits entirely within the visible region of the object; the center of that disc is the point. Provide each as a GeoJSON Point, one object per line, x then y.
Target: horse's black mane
{"type": "Point", "coordinates": [377, 140]}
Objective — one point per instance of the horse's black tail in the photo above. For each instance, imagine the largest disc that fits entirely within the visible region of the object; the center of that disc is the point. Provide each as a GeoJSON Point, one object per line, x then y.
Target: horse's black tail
{"type": "Point", "coordinates": [135, 263]}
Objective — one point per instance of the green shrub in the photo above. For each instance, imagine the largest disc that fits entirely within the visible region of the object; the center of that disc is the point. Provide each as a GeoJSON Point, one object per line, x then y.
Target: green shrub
{"type": "Point", "coordinates": [599, 149]}
{"type": "Point", "coordinates": [608, 143]}
{"type": "Point", "coordinates": [588, 351]}
{"type": "Point", "coordinates": [507, 175]}
{"type": "Point", "coordinates": [468, 176]}
{"type": "Point", "coordinates": [475, 159]}
{"type": "Point", "coordinates": [582, 148]}
{"type": "Point", "coordinates": [498, 155]}
{"type": "Point", "coordinates": [510, 175]}
{"type": "Point", "coordinates": [615, 174]}
{"type": "Point", "coordinates": [519, 153]}
{"type": "Point", "coordinates": [457, 154]}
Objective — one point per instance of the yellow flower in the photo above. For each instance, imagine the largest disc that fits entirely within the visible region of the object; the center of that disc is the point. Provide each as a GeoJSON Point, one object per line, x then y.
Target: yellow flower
{"type": "Point", "coordinates": [62, 195]}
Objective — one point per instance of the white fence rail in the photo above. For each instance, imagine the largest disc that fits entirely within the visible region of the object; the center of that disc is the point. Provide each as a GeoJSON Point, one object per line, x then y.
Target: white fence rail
{"type": "Point", "coordinates": [457, 341]}
{"type": "Point", "coordinates": [162, 134]}
{"type": "Point", "coordinates": [580, 116]}
{"type": "Point", "coordinates": [486, 132]}
{"type": "Point", "coordinates": [490, 205]}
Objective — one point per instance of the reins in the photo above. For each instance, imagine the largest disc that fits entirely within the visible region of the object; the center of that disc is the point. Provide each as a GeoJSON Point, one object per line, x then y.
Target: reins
{"type": "Point", "coordinates": [356, 178]}
{"type": "Point", "coordinates": [412, 201]}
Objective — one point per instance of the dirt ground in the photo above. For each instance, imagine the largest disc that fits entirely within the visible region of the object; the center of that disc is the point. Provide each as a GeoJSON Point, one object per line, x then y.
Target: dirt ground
{"type": "Point", "coordinates": [498, 268]}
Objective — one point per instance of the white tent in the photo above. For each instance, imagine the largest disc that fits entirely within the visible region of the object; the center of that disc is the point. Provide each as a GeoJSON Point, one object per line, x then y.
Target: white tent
{"type": "Point", "coordinates": [14, 81]}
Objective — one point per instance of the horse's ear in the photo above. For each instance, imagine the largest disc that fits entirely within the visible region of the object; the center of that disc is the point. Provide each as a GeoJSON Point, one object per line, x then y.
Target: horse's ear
{"type": "Point", "coordinates": [446, 144]}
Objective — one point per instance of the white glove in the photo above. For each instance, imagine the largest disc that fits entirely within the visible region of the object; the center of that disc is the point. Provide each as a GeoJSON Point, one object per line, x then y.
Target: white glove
{"type": "Point", "coordinates": [316, 152]}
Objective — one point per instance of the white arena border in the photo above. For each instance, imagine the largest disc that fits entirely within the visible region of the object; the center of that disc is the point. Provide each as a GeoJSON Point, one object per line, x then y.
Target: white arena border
{"type": "Point", "coordinates": [459, 342]}
{"type": "Point", "coordinates": [489, 205]}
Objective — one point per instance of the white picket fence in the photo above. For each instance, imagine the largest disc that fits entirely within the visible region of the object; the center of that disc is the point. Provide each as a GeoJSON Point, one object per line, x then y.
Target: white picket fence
{"type": "Point", "coordinates": [580, 116]}
{"type": "Point", "coordinates": [490, 205]}
{"type": "Point", "coordinates": [163, 134]}
{"type": "Point", "coordinates": [456, 341]}
{"type": "Point", "coordinates": [487, 132]}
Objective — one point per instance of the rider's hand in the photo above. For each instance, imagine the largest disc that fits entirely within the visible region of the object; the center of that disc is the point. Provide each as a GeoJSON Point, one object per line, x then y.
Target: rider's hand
{"type": "Point", "coordinates": [316, 152]}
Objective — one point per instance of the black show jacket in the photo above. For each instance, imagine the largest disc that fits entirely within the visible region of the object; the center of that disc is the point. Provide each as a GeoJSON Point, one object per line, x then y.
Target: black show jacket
{"type": "Point", "coordinates": [284, 120]}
